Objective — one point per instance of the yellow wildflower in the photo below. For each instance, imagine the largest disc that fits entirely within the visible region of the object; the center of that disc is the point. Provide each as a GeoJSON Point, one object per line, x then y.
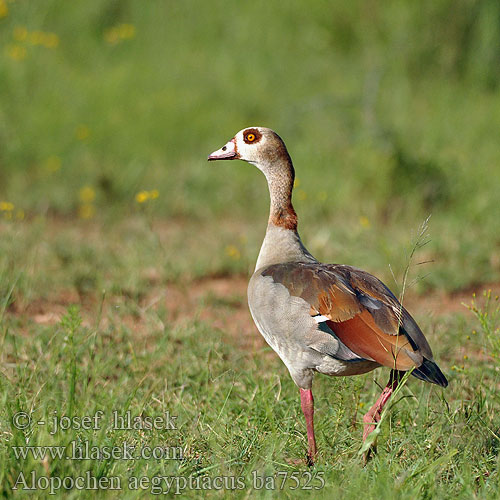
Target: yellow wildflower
{"type": "Point", "coordinates": [52, 163]}
{"type": "Point", "coordinates": [47, 39]}
{"type": "Point", "coordinates": [87, 194]}
{"type": "Point", "coordinates": [16, 52]}
{"type": "Point", "coordinates": [86, 211]}
{"type": "Point", "coordinates": [296, 182]}
{"type": "Point", "coordinates": [50, 40]}
{"type": "Point", "coordinates": [126, 31]}
{"type": "Point", "coordinates": [301, 194]}
{"type": "Point", "coordinates": [111, 36]}
{"type": "Point", "coordinates": [4, 10]}
{"type": "Point", "coordinates": [36, 37]}
{"type": "Point", "coordinates": [20, 33]}
{"type": "Point", "coordinates": [142, 196]}
{"type": "Point", "coordinates": [82, 132]}
{"type": "Point", "coordinates": [233, 252]}
{"type": "Point", "coordinates": [364, 221]}
{"type": "Point", "coordinates": [118, 33]}
{"type": "Point", "coordinates": [6, 206]}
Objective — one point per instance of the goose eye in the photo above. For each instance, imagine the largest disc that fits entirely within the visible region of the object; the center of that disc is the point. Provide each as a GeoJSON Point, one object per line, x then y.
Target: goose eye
{"type": "Point", "coordinates": [251, 135]}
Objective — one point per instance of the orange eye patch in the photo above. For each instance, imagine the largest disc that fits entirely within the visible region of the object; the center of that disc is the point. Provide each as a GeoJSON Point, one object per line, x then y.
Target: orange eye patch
{"type": "Point", "coordinates": [252, 135]}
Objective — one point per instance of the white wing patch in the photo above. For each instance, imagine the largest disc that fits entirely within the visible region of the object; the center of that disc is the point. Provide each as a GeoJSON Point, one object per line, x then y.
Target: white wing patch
{"type": "Point", "coordinates": [319, 318]}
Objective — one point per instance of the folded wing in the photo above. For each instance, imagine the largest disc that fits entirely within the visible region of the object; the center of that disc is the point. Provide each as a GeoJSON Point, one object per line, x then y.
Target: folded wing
{"type": "Point", "coordinates": [362, 313]}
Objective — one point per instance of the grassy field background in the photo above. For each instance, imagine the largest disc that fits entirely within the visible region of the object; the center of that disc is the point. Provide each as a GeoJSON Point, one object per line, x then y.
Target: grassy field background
{"type": "Point", "coordinates": [108, 110]}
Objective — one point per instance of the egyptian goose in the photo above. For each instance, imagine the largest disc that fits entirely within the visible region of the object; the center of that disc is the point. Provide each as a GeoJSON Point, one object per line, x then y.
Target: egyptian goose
{"type": "Point", "coordinates": [326, 318]}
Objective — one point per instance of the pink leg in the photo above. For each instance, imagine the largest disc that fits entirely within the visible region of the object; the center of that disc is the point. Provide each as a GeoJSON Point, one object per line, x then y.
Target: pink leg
{"type": "Point", "coordinates": [373, 416]}
{"type": "Point", "coordinates": [307, 404]}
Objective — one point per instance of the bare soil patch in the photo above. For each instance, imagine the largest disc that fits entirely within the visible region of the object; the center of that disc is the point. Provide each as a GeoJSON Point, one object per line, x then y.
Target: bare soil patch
{"type": "Point", "coordinates": [221, 301]}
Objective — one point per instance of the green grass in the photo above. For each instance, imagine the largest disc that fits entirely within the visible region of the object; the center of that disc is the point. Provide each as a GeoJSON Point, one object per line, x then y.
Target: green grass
{"type": "Point", "coordinates": [390, 119]}
{"type": "Point", "coordinates": [237, 409]}
{"type": "Point", "coordinates": [391, 113]}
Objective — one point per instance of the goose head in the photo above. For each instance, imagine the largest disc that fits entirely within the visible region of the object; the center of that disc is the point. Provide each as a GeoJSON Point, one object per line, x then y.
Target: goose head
{"type": "Point", "coordinates": [259, 146]}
